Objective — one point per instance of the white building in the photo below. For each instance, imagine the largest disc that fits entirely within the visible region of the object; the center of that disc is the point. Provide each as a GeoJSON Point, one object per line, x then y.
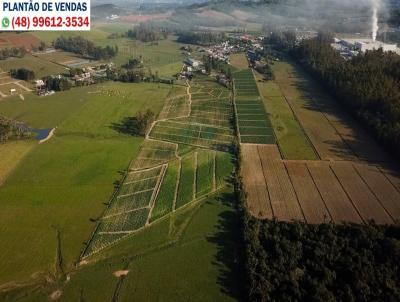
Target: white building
{"type": "Point", "coordinates": [368, 44]}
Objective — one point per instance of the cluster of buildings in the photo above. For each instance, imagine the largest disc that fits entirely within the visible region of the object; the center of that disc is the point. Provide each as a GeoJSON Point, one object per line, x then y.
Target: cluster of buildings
{"type": "Point", "coordinates": [349, 48]}
{"type": "Point", "coordinates": [81, 77]}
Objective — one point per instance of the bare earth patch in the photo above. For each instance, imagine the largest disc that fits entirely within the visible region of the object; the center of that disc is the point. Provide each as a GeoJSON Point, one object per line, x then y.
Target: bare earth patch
{"type": "Point", "coordinates": [121, 273]}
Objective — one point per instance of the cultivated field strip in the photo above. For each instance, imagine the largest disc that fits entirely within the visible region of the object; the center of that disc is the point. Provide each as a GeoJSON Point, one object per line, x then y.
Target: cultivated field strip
{"type": "Point", "coordinates": [129, 208]}
{"type": "Point", "coordinates": [382, 188]}
{"type": "Point", "coordinates": [316, 191]}
{"type": "Point", "coordinates": [336, 200]}
{"type": "Point", "coordinates": [363, 199]}
{"type": "Point", "coordinates": [253, 124]}
{"type": "Point", "coordinates": [154, 153]}
{"type": "Point", "coordinates": [334, 134]}
{"type": "Point", "coordinates": [283, 197]}
{"type": "Point", "coordinates": [257, 196]}
{"type": "Point", "coordinates": [208, 123]}
{"type": "Point", "coordinates": [308, 195]}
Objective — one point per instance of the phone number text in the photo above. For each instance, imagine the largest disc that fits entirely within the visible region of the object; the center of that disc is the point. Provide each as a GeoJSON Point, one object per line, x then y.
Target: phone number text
{"type": "Point", "coordinates": [26, 22]}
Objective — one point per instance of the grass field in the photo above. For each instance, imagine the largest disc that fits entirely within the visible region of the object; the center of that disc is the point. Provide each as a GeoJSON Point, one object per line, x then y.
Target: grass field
{"type": "Point", "coordinates": [64, 182]}
{"type": "Point", "coordinates": [40, 67]}
{"type": "Point", "coordinates": [11, 154]}
{"type": "Point", "coordinates": [334, 134]}
{"type": "Point", "coordinates": [293, 142]}
{"type": "Point", "coordinates": [163, 56]}
{"type": "Point", "coordinates": [239, 61]}
{"type": "Point", "coordinates": [190, 250]}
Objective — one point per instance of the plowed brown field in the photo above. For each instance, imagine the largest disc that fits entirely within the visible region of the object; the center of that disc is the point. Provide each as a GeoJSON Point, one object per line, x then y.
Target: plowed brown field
{"type": "Point", "coordinates": [361, 196]}
{"type": "Point", "coordinates": [307, 193]}
{"type": "Point", "coordinates": [382, 188]}
{"type": "Point", "coordinates": [283, 197]}
{"type": "Point", "coordinates": [258, 202]}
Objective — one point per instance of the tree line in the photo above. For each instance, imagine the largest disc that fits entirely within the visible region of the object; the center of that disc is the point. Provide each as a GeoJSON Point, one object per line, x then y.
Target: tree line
{"type": "Point", "coordinates": [22, 74]}
{"type": "Point", "coordinates": [368, 84]}
{"type": "Point", "coordinates": [145, 33]}
{"type": "Point", "coordinates": [15, 52]}
{"type": "Point", "coordinates": [10, 129]}
{"type": "Point", "coordinates": [201, 38]}
{"type": "Point", "coordinates": [84, 47]}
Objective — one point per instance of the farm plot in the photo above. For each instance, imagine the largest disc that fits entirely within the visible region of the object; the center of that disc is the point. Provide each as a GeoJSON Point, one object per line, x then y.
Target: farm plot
{"type": "Point", "coordinates": [253, 124]}
{"type": "Point", "coordinates": [257, 196]}
{"type": "Point", "coordinates": [187, 181]}
{"type": "Point", "coordinates": [382, 188]}
{"type": "Point", "coordinates": [129, 209]}
{"type": "Point", "coordinates": [185, 131]}
{"type": "Point", "coordinates": [307, 193]}
{"type": "Point", "coordinates": [224, 166]}
{"type": "Point", "coordinates": [154, 153]}
{"type": "Point", "coordinates": [363, 199]}
{"type": "Point", "coordinates": [209, 123]}
{"type": "Point", "coordinates": [292, 140]}
{"type": "Point", "coordinates": [336, 200]}
{"type": "Point", "coordinates": [205, 173]}
{"type": "Point", "coordinates": [166, 198]}
{"type": "Point", "coordinates": [283, 197]}
{"type": "Point", "coordinates": [175, 107]}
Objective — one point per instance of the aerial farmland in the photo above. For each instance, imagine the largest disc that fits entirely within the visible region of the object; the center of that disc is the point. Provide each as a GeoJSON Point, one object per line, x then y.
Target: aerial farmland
{"type": "Point", "coordinates": [203, 151]}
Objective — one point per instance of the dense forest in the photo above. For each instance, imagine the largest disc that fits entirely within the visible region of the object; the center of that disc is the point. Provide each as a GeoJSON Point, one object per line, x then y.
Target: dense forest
{"type": "Point", "coordinates": [369, 85]}
{"type": "Point", "coordinates": [10, 129]}
{"type": "Point", "coordinates": [201, 38]}
{"type": "Point", "coordinates": [12, 52]}
{"type": "Point", "coordinates": [301, 262]}
{"type": "Point", "coordinates": [85, 47]}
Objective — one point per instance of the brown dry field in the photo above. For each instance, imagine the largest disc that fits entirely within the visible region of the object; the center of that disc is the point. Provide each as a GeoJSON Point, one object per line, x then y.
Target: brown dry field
{"type": "Point", "coordinates": [318, 191]}
{"type": "Point", "coordinates": [258, 201]}
{"type": "Point", "coordinates": [26, 40]}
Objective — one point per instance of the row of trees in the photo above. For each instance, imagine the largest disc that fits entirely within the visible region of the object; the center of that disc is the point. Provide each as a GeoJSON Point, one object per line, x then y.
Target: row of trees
{"type": "Point", "coordinates": [17, 52]}
{"type": "Point", "coordinates": [146, 33]}
{"type": "Point", "coordinates": [23, 74]}
{"type": "Point", "coordinates": [10, 129]}
{"type": "Point", "coordinates": [201, 38]}
{"type": "Point", "coordinates": [86, 48]}
{"type": "Point", "coordinates": [369, 85]}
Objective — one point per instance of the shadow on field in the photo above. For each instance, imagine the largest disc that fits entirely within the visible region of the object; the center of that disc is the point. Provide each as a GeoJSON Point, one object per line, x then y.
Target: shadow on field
{"type": "Point", "coordinates": [229, 257]}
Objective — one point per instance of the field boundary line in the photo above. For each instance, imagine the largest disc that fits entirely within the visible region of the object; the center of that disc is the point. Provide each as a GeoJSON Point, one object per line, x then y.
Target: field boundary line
{"type": "Point", "coordinates": [298, 121]}
{"type": "Point", "coordinates": [347, 194]}
{"type": "Point", "coordinates": [265, 180]}
{"type": "Point", "coordinates": [373, 193]}
{"type": "Point", "coordinates": [214, 180]}
{"type": "Point", "coordinates": [196, 154]}
{"type": "Point", "coordinates": [294, 190]}
{"type": "Point", "coordinates": [139, 180]}
{"type": "Point", "coordinates": [388, 179]}
{"type": "Point", "coordinates": [126, 212]}
{"type": "Point", "coordinates": [136, 193]}
{"type": "Point", "coordinates": [318, 190]}
{"type": "Point", "coordinates": [178, 180]}
{"type": "Point", "coordinates": [155, 193]}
